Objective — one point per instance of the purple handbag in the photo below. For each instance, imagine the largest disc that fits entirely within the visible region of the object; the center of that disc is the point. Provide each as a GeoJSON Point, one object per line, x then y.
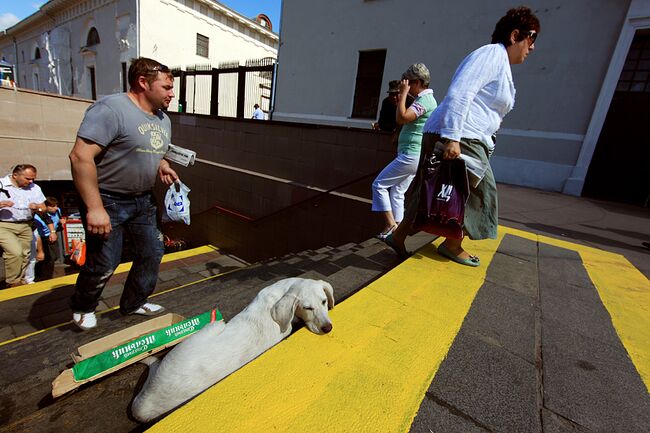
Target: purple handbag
{"type": "Point", "coordinates": [443, 194]}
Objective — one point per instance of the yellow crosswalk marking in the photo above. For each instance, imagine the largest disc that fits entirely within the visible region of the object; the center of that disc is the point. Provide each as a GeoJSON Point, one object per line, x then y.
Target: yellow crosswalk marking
{"type": "Point", "coordinates": [55, 283]}
{"type": "Point", "coordinates": [368, 375]}
{"type": "Point", "coordinates": [624, 291]}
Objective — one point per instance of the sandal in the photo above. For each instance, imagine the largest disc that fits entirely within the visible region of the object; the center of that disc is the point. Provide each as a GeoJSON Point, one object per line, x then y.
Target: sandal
{"type": "Point", "coordinates": [400, 250]}
{"type": "Point", "coordinates": [383, 235]}
{"type": "Point", "coordinates": [472, 261]}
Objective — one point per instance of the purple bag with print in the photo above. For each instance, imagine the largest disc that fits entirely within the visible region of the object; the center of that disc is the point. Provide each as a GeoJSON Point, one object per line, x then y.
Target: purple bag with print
{"type": "Point", "coordinates": [443, 194]}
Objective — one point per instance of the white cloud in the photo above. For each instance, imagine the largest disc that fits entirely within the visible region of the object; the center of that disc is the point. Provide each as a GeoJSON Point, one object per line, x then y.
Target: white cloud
{"type": "Point", "coordinates": [7, 20]}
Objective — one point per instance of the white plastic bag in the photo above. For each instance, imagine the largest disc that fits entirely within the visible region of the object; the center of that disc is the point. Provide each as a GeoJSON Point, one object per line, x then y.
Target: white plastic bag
{"type": "Point", "coordinates": [177, 203]}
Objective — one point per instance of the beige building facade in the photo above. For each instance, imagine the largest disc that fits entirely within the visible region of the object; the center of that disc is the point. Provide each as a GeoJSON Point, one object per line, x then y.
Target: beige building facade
{"type": "Point", "coordinates": [564, 89]}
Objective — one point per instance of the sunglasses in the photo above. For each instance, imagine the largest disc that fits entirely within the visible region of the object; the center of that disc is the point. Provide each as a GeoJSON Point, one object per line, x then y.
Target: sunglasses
{"type": "Point", "coordinates": [160, 68]}
{"type": "Point", "coordinates": [532, 35]}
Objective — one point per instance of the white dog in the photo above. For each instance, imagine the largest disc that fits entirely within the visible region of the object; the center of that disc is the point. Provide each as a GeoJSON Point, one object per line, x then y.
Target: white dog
{"type": "Point", "coordinates": [217, 350]}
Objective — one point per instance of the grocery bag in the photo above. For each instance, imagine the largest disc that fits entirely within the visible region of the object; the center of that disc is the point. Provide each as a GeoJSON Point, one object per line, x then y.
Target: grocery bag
{"type": "Point", "coordinates": [177, 203]}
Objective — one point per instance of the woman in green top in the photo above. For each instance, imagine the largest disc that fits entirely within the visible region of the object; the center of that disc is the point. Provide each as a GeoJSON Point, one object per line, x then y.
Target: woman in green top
{"type": "Point", "coordinates": [389, 187]}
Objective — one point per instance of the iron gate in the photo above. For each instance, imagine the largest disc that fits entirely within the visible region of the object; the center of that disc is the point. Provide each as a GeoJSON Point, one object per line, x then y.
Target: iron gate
{"type": "Point", "coordinates": [230, 90]}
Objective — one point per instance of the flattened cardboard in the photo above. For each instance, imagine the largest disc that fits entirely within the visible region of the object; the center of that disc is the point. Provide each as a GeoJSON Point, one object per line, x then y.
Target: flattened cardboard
{"type": "Point", "coordinates": [66, 381]}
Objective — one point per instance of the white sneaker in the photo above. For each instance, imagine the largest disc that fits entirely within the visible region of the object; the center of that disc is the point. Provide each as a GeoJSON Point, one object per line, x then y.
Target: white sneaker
{"type": "Point", "coordinates": [85, 321]}
{"type": "Point", "coordinates": [149, 309]}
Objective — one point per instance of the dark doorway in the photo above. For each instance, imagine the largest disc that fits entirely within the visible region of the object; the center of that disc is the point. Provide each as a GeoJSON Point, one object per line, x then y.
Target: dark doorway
{"type": "Point", "coordinates": [93, 85]}
{"type": "Point", "coordinates": [367, 90]}
{"type": "Point", "coordinates": [618, 169]}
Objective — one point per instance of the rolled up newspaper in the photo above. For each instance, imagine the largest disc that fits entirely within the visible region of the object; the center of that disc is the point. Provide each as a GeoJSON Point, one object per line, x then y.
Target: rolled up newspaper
{"type": "Point", "coordinates": [180, 155]}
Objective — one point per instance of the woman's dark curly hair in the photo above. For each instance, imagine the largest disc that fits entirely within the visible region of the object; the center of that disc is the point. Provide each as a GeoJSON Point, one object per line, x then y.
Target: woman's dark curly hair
{"type": "Point", "coordinates": [520, 18]}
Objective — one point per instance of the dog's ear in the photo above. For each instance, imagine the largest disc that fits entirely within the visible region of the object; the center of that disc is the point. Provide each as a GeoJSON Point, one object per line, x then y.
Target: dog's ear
{"type": "Point", "coordinates": [283, 310]}
{"type": "Point", "coordinates": [329, 292]}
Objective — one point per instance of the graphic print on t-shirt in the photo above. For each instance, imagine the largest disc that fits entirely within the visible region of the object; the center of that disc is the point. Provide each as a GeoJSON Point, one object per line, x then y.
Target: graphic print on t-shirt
{"type": "Point", "coordinates": [156, 133]}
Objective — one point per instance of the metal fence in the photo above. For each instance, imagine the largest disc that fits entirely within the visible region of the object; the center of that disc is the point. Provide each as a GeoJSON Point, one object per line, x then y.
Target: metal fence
{"type": "Point", "coordinates": [231, 90]}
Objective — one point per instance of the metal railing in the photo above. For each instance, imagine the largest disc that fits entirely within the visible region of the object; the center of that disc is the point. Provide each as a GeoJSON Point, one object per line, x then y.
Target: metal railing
{"type": "Point", "coordinates": [319, 195]}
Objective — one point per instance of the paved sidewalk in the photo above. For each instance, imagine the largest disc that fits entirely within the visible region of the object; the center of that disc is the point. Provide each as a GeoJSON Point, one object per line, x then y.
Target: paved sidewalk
{"type": "Point", "coordinates": [609, 226]}
{"type": "Point", "coordinates": [551, 334]}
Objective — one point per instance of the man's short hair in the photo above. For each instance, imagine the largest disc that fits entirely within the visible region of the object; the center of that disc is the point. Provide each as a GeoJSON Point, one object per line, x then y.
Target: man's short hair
{"type": "Point", "coordinates": [256, 106]}
{"type": "Point", "coordinates": [51, 201]}
{"type": "Point", "coordinates": [148, 68]}
{"type": "Point", "coordinates": [22, 167]}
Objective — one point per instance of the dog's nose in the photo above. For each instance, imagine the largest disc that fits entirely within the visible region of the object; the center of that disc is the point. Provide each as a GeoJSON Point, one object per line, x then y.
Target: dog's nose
{"type": "Point", "coordinates": [327, 328]}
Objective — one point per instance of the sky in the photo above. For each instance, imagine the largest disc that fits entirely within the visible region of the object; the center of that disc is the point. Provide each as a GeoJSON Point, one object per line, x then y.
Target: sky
{"type": "Point", "coordinates": [12, 11]}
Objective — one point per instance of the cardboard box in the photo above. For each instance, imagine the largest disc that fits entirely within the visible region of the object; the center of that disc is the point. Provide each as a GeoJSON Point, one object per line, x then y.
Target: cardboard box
{"type": "Point", "coordinates": [128, 346]}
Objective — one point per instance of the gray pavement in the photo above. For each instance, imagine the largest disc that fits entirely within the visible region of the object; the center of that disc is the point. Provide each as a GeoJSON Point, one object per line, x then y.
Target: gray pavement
{"type": "Point", "coordinates": [609, 226]}
{"type": "Point", "coordinates": [537, 351]}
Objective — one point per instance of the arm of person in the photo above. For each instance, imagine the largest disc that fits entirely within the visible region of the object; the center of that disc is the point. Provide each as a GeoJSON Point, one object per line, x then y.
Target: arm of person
{"type": "Point", "coordinates": [452, 150]}
{"type": "Point", "coordinates": [42, 224]}
{"type": "Point", "coordinates": [404, 115]}
{"type": "Point", "coordinates": [477, 70]}
{"type": "Point", "coordinates": [84, 175]}
{"type": "Point", "coordinates": [166, 173]}
{"type": "Point", "coordinates": [45, 226]}
{"type": "Point", "coordinates": [37, 207]}
{"type": "Point", "coordinates": [6, 203]}
{"type": "Point", "coordinates": [52, 236]}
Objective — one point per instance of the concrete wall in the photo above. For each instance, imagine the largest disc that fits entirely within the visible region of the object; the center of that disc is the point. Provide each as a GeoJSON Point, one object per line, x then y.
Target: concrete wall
{"type": "Point", "coordinates": [257, 169]}
{"type": "Point", "coordinates": [275, 152]}
{"type": "Point", "coordinates": [557, 87]}
{"type": "Point", "coordinates": [39, 129]}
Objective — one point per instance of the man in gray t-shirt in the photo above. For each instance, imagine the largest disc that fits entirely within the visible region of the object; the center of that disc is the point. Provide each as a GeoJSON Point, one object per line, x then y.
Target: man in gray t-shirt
{"type": "Point", "coordinates": [115, 160]}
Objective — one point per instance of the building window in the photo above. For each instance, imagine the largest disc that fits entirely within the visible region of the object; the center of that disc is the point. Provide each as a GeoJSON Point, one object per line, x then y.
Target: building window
{"type": "Point", "coordinates": [23, 54]}
{"type": "Point", "coordinates": [93, 85]}
{"type": "Point", "coordinates": [35, 82]}
{"type": "Point", "coordinates": [125, 77]}
{"type": "Point", "coordinates": [635, 76]}
{"type": "Point", "coordinates": [367, 90]}
{"type": "Point", "coordinates": [37, 53]}
{"type": "Point", "coordinates": [93, 37]}
{"type": "Point", "coordinates": [202, 45]}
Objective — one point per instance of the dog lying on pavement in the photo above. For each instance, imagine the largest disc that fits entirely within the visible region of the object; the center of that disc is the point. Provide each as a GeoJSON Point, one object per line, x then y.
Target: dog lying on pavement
{"type": "Point", "coordinates": [217, 350]}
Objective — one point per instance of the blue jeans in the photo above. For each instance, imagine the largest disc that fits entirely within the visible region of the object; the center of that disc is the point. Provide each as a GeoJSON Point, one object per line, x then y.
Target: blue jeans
{"type": "Point", "coordinates": [137, 217]}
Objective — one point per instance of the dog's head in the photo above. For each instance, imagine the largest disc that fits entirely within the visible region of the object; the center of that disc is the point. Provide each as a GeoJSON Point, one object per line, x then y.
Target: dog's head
{"type": "Point", "coordinates": [308, 300]}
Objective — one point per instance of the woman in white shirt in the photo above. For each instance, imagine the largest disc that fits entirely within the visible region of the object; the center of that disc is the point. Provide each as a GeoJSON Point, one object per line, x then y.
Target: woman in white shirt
{"type": "Point", "coordinates": [480, 95]}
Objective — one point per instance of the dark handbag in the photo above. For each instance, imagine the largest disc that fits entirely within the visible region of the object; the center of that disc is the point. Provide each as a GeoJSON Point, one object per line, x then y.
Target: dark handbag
{"type": "Point", "coordinates": [443, 194]}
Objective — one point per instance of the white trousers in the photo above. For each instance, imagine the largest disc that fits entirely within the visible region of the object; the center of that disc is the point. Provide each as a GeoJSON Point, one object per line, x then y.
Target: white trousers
{"type": "Point", "coordinates": [389, 187]}
{"type": "Point", "coordinates": [31, 262]}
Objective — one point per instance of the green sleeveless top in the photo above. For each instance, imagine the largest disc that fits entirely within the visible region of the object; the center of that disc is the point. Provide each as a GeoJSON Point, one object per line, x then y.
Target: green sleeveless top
{"type": "Point", "coordinates": [410, 138]}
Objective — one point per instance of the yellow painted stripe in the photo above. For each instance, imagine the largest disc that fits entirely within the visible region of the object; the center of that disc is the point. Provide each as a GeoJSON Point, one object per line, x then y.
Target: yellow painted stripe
{"type": "Point", "coordinates": [369, 374]}
{"type": "Point", "coordinates": [624, 291]}
{"type": "Point", "coordinates": [22, 337]}
{"type": "Point", "coordinates": [55, 283]}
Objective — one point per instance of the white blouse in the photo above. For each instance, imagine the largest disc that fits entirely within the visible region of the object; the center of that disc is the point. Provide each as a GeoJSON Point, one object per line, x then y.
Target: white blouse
{"type": "Point", "coordinates": [480, 95]}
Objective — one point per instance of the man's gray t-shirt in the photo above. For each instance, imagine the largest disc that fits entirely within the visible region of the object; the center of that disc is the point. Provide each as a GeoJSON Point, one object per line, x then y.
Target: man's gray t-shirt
{"type": "Point", "coordinates": [134, 142]}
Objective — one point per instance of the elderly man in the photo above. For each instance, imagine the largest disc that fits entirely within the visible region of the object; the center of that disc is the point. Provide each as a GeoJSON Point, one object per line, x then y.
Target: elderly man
{"type": "Point", "coordinates": [20, 197]}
